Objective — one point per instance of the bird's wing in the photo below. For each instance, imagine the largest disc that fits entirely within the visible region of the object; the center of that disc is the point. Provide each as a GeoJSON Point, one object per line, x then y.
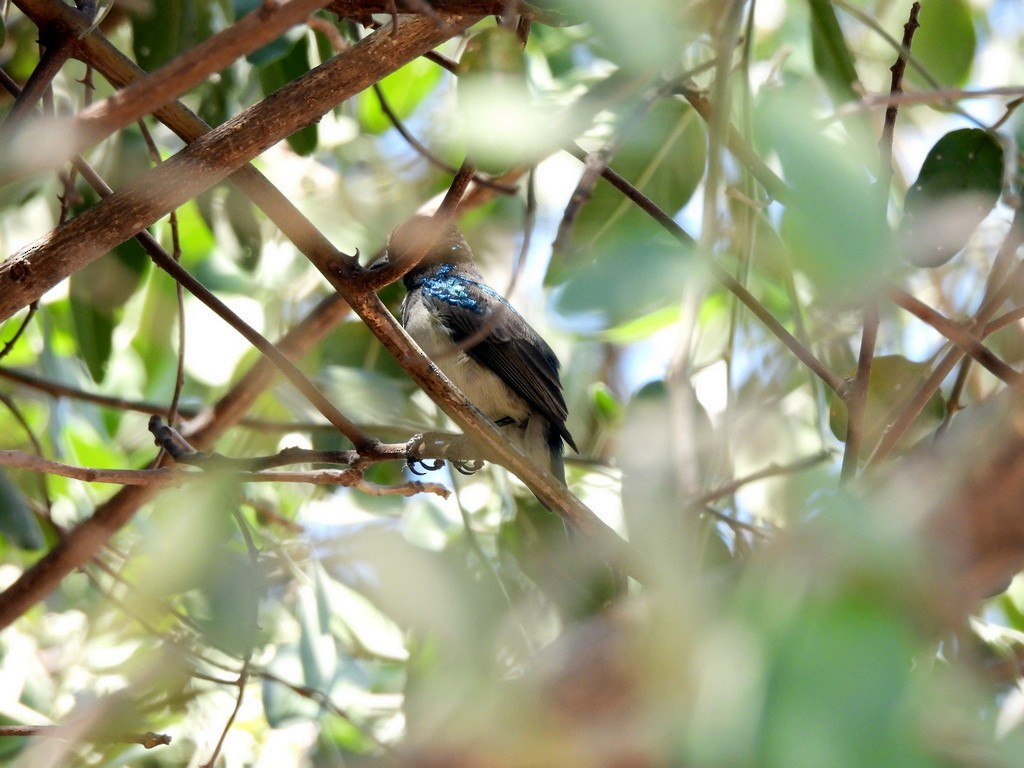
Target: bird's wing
{"type": "Point", "coordinates": [502, 341]}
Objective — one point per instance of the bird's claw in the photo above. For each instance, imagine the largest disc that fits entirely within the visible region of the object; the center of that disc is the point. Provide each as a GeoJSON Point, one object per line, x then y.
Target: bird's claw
{"type": "Point", "coordinates": [428, 465]}
{"type": "Point", "coordinates": [448, 445]}
{"type": "Point", "coordinates": [414, 449]}
{"type": "Point", "coordinates": [468, 467]}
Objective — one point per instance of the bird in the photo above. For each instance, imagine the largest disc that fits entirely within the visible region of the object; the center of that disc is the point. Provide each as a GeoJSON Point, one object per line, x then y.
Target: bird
{"type": "Point", "coordinates": [507, 370]}
{"type": "Point", "coordinates": [480, 342]}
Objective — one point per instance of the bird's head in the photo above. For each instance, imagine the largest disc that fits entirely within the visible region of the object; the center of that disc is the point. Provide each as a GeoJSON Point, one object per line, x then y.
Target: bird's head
{"type": "Point", "coordinates": [428, 242]}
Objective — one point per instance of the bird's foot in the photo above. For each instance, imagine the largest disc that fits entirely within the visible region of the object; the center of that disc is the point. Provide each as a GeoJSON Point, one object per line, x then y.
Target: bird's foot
{"type": "Point", "coordinates": [429, 450]}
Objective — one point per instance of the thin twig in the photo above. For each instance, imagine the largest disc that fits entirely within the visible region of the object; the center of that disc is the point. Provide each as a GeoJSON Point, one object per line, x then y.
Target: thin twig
{"type": "Point", "coordinates": [856, 403]}
{"type": "Point", "coordinates": [179, 75]}
{"type": "Point", "coordinates": [772, 470]}
{"type": "Point", "coordinates": [455, 191]}
{"type": "Point", "coordinates": [955, 333]}
{"type": "Point", "coordinates": [167, 476]}
{"type": "Point", "coordinates": [290, 371]}
{"type": "Point", "coordinates": [179, 292]}
{"type": "Point", "coordinates": [84, 541]}
{"type": "Point", "coordinates": [57, 389]}
{"type": "Point", "coordinates": [1009, 318]}
{"type": "Point", "coordinates": [243, 674]}
{"type": "Point", "coordinates": [776, 188]}
{"type": "Point", "coordinates": [895, 90]}
{"type": "Point", "coordinates": [32, 309]}
{"type": "Point", "coordinates": [37, 446]}
{"type": "Point", "coordinates": [423, 151]}
{"type": "Point", "coordinates": [804, 354]}
{"type": "Point", "coordinates": [55, 55]}
{"type": "Point", "coordinates": [149, 739]}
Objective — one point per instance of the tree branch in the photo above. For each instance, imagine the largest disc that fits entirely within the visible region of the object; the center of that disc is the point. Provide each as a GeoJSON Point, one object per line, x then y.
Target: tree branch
{"type": "Point", "coordinates": [28, 274]}
{"type": "Point", "coordinates": [86, 539]}
{"type": "Point", "coordinates": [149, 739]}
{"type": "Point", "coordinates": [93, 124]}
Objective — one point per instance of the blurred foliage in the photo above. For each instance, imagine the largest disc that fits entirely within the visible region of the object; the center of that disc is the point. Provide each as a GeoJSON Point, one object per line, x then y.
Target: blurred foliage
{"type": "Point", "coordinates": [788, 620]}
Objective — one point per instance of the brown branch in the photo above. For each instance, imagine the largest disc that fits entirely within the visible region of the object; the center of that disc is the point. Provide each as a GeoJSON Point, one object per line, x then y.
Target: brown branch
{"type": "Point", "coordinates": [426, 154]}
{"type": "Point", "coordinates": [280, 361]}
{"type": "Point", "coordinates": [88, 537]}
{"type": "Point", "coordinates": [150, 408]}
{"type": "Point", "coordinates": [166, 476]}
{"type": "Point", "coordinates": [257, 28]}
{"type": "Point", "coordinates": [26, 275]}
{"type": "Point", "coordinates": [120, 71]}
{"type": "Point", "coordinates": [772, 470]}
{"type": "Point", "coordinates": [740, 149]}
{"type": "Point", "coordinates": [359, 9]}
{"type": "Point", "coordinates": [994, 298]}
{"type": "Point", "coordinates": [955, 333]}
{"type": "Point", "coordinates": [856, 403]}
{"type": "Point", "coordinates": [802, 353]}
{"type": "Point", "coordinates": [58, 49]}
{"type": "Point", "coordinates": [149, 739]}
{"type": "Point", "coordinates": [895, 90]}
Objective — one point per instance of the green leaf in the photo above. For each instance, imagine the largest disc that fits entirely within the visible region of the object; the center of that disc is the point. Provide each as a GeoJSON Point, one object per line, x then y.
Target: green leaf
{"type": "Point", "coordinates": [893, 380]}
{"type": "Point", "coordinates": [273, 51]}
{"type": "Point", "coordinates": [832, 57]}
{"type": "Point", "coordinates": [317, 649]}
{"type": "Point", "coordinates": [633, 275]}
{"type": "Point", "coordinates": [945, 44]}
{"type": "Point", "coordinates": [281, 705]}
{"type": "Point", "coordinates": [834, 224]}
{"type": "Point", "coordinates": [495, 51]}
{"type": "Point", "coordinates": [232, 589]}
{"type": "Point", "coordinates": [656, 30]}
{"type": "Point", "coordinates": [664, 157]}
{"type": "Point", "coordinates": [281, 71]}
{"type": "Point", "coordinates": [94, 330]}
{"type": "Point", "coordinates": [218, 95]}
{"type": "Point", "coordinates": [959, 185]}
{"type": "Point", "coordinates": [493, 96]}
{"type": "Point", "coordinates": [643, 326]}
{"type": "Point", "coordinates": [373, 397]}
{"type": "Point", "coordinates": [242, 7]}
{"type": "Point", "coordinates": [245, 226]}
{"type": "Point", "coordinates": [605, 405]}
{"type": "Point", "coordinates": [404, 89]}
{"type": "Point", "coordinates": [163, 30]}
{"type": "Point", "coordinates": [17, 523]}
{"type": "Point", "coordinates": [97, 293]}
{"type": "Point", "coordinates": [852, 644]}
{"type": "Point", "coordinates": [197, 241]}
